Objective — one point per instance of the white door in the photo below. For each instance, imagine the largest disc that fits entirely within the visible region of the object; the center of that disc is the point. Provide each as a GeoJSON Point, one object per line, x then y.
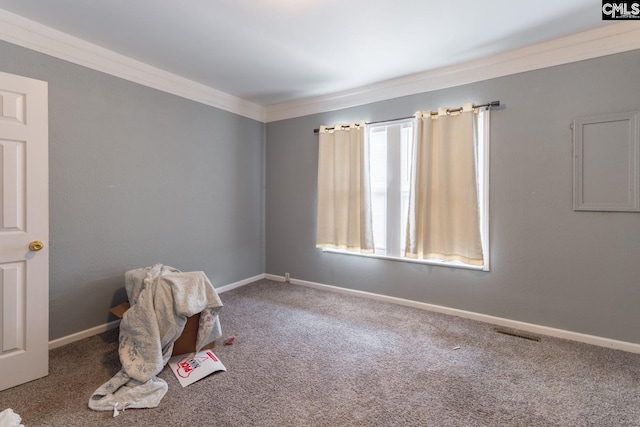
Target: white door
{"type": "Point", "coordinates": [24, 230]}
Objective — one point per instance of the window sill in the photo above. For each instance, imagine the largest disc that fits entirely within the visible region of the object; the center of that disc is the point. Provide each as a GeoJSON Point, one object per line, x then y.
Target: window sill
{"type": "Point", "coordinates": [448, 264]}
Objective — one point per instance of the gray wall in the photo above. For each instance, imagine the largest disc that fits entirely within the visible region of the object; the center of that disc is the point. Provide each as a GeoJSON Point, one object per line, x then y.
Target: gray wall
{"type": "Point", "coordinates": [138, 176]}
{"type": "Point", "coordinates": [551, 266]}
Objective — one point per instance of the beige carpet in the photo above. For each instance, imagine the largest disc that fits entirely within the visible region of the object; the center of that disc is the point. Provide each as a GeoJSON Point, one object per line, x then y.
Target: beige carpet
{"type": "Point", "coordinates": [312, 358]}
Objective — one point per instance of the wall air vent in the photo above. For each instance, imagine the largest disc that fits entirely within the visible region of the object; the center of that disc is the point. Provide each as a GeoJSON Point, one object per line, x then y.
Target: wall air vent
{"type": "Point", "coordinates": [515, 333]}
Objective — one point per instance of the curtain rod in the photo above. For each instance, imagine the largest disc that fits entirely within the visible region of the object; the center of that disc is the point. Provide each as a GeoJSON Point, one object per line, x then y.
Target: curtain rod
{"type": "Point", "coordinates": [488, 106]}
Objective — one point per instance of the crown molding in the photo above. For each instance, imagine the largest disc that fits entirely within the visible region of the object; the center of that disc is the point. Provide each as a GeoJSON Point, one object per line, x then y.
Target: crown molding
{"type": "Point", "coordinates": [607, 40]}
{"type": "Point", "coordinates": [32, 35]}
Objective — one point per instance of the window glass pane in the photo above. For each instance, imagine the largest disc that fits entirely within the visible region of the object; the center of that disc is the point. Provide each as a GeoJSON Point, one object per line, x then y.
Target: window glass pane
{"type": "Point", "coordinates": [390, 169]}
{"type": "Point", "coordinates": [378, 174]}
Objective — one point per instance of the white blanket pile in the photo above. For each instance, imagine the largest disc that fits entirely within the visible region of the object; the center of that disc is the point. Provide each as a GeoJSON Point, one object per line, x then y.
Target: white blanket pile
{"type": "Point", "coordinates": [161, 299]}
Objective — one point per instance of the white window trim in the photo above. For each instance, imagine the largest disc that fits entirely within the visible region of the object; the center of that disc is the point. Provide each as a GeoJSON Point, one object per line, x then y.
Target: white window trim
{"type": "Point", "coordinates": [449, 264]}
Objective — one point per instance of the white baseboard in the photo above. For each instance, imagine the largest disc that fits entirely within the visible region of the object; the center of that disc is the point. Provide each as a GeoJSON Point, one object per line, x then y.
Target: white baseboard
{"type": "Point", "coordinates": [111, 325]}
{"type": "Point", "coordinates": [83, 334]}
{"type": "Point", "coordinates": [234, 285]}
{"type": "Point", "coordinates": [499, 321]}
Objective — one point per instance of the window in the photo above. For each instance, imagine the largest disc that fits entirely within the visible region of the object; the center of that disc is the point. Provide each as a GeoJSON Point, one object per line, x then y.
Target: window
{"type": "Point", "coordinates": [390, 148]}
{"type": "Point", "coordinates": [427, 180]}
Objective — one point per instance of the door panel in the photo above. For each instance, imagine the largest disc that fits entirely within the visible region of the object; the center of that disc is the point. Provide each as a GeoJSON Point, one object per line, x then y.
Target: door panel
{"type": "Point", "coordinates": [13, 186]}
{"type": "Point", "coordinates": [24, 218]}
{"type": "Point", "coordinates": [13, 306]}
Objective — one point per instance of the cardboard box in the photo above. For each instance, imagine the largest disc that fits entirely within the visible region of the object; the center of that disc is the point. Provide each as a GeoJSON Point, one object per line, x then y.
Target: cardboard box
{"type": "Point", "coordinates": [186, 342]}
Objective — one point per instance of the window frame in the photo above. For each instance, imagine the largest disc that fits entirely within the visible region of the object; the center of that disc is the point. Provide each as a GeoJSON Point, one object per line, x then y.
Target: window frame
{"type": "Point", "coordinates": [483, 168]}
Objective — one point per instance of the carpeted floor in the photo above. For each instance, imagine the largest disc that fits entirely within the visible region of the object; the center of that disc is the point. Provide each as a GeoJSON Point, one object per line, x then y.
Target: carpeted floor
{"type": "Point", "coordinates": [306, 357]}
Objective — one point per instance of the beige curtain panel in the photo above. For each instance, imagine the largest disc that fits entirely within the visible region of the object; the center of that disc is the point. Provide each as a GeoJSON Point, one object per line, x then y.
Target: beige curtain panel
{"type": "Point", "coordinates": [443, 220]}
{"type": "Point", "coordinates": [344, 195]}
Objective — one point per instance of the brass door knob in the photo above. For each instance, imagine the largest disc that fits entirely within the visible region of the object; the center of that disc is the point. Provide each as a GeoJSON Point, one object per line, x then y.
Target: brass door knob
{"type": "Point", "coordinates": [36, 245]}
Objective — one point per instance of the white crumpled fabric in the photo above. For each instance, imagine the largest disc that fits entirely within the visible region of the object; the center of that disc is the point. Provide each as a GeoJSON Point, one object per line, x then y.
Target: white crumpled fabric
{"type": "Point", "coordinates": [161, 299]}
{"type": "Point", "coordinates": [8, 418]}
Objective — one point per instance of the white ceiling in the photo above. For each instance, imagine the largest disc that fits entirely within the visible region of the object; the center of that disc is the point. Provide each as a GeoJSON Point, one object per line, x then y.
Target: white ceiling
{"type": "Point", "coordinates": [274, 51]}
